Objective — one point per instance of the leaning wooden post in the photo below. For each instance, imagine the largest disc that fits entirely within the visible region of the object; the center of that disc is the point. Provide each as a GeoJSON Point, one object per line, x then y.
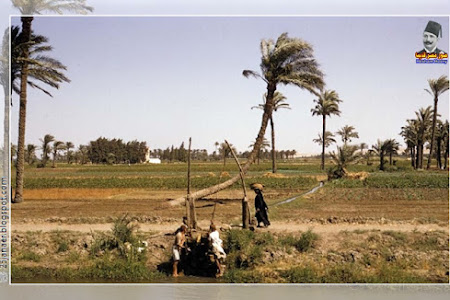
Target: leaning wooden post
{"type": "Point", "coordinates": [190, 203]}
{"type": "Point", "coordinates": [245, 207]}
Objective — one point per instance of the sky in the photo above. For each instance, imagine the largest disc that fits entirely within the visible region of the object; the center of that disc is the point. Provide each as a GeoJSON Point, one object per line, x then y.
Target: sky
{"type": "Point", "coordinates": [165, 79]}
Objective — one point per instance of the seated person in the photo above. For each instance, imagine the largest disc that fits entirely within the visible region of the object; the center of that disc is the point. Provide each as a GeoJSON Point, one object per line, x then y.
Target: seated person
{"type": "Point", "coordinates": [216, 247]}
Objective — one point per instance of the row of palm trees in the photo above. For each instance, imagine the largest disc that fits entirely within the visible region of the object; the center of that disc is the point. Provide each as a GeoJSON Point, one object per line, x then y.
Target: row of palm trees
{"type": "Point", "coordinates": [47, 149]}
{"type": "Point", "coordinates": [419, 131]}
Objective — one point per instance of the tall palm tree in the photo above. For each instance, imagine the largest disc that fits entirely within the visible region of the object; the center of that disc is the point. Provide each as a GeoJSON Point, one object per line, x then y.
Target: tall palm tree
{"type": "Point", "coordinates": [68, 146]}
{"type": "Point", "coordinates": [347, 133]}
{"type": "Point", "coordinates": [410, 135]}
{"type": "Point", "coordinates": [28, 8]}
{"type": "Point", "coordinates": [286, 61]}
{"type": "Point", "coordinates": [437, 87]}
{"type": "Point", "coordinates": [381, 148]}
{"type": "Point", "coordinates": [424, 121]}
{"type": "Point", "coordinates": [57, 145]}
{"type": "Point", "coordinates": [327, 104]}
{"type": "Point", "coordinates": [391, 149]}
{"type": "Point", "coordinates": [278, 99]}
{"type": "Point", "coordinates": [46, 149]}
{"type": "Point", "coordinates": [441, 136]}
{"type": "Point", "coordinates": [33, 67]}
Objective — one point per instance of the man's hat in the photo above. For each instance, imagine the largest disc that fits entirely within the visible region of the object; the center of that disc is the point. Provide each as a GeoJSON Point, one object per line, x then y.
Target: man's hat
{"type": "Point", "coordinates": [434, 28]}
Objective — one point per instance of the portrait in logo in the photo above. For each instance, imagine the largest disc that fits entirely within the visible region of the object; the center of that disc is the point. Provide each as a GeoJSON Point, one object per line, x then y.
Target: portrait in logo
{"type": "Point", "coordinates": [431, 36]}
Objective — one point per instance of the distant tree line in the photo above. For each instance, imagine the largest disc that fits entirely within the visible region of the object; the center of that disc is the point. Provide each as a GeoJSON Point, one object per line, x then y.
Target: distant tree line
{"type": "Point", "coordinates": [115, 151]}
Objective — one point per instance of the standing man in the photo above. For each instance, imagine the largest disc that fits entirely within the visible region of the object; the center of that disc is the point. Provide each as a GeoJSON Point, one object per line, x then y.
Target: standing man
{"type": "Point", "coordinates": [260, 205]}
{"type": "Point", "coordinates": [180, 239]}
{"type": "Point", "coordinates": [431, 36]}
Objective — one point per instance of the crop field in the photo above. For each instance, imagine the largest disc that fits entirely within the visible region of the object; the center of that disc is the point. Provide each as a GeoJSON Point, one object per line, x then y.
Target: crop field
{"type": "Point", "coordinates": [73, 202]}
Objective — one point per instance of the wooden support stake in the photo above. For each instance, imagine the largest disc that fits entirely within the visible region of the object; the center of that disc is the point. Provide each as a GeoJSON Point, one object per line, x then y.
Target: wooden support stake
{"type": "Point", "coordinates": [245, 207]}
{"type": "Point", "coordinates": [190, 203]}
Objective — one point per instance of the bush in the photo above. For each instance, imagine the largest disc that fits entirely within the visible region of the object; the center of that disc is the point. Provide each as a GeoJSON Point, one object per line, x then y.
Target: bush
{"type": "Point", "coordinates": [300, 275]}
{"type": "Point", "coordinates": [242, 276]}
{"type": "Point", "coordinates": [306, 241]}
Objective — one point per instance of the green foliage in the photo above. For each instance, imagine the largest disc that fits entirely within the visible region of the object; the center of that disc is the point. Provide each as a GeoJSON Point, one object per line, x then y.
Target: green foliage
{"type": "Point", "coordinates": [238, 240]}
{"type": "Point", "coordinates": [121, 239]}
{"type": "Point", "coordinates": [307, 241]}
{"type": "Point", "coordinates": [397, 235]}
{"type": "Point", "coordinates": [300, 275]}
{"type": "Point", "coordinates": [161, 182]}
{"type": "Point", "coordinates": [243, 276]}
{"type": "Point", "coordinates": [396, 181]}
{"type": "Point", "coordinates": [30, 256]}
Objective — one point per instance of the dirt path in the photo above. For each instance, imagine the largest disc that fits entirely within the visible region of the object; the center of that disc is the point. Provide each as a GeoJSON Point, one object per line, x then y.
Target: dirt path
{"type": "Point", "coordinates": [275, 227]}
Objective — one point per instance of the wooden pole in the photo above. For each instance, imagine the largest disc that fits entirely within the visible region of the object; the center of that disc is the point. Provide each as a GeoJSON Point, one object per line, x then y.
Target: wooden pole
{"type": "Point", "coordinates": [188, 201]}
{"type": "Point", "coordinates": [245, 207]}
{"type": "Point", "coordinates": [192, 221]}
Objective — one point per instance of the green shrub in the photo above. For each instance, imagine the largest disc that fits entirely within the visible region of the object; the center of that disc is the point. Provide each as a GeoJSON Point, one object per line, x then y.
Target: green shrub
{"type": "Point", "coordinates": [300, 275]}
{"type": "Point", "coordinates": [238, 240]}
{"type": "Point", "coordinates": [242, 276]}
{"type": "Point", "coordinates": [306, 241]}
{"type": "Point", "coordinates": [30, 256]}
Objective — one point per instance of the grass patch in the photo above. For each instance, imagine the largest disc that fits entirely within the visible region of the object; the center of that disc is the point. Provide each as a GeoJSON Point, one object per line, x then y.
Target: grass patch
{"type": "Point", "coordinates": [307, 241]}
{"type": "Point", "coordinates": [30, 256]}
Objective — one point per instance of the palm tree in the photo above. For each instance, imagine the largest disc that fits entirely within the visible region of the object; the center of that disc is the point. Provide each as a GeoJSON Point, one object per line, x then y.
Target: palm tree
{"type": "Point", "coordinates": [437, 87]}
{"type": "Point", "coordinates": [391, 149]}
{"type": "Point", "coordinates": [30, 154]}
{"type": "Point", "coordinates": [33, 66]}
{"type": "Point", "coordinates": [225, 151]}
{"type": "Point", "coordinates": [286, 61]}
{"type": "Point", "coordinates": [446, 143]}
{"type": "Point", "coordinates": [381, 148]}
{"type": "Point", "coordinates": [347, 133]}
{"type": "Point", "coordinates": [278, 99]}
{"type": "Point", "coordinates": [69, 145]}
{"type": "Point", "coordinates": [57, 145]}
{"type": "Point", "coordinates": [28, 8]}
{"type": "Point", "coordinates": [410, 135]}
{"type": "Point", "coordinates": [345, 155]}
{"type": "Point", "coordinates": [46, 149]}
{"type": "Point", "coordinates": [326, 140]}
{"type": "Point", "coordinates": [423, 123]}
{"type": "Point", "coordinates": [441, 138]}
{"type": "Point", "coordinates": [265, 144]}
{"type": "Point", "coordinates": [327, 104]}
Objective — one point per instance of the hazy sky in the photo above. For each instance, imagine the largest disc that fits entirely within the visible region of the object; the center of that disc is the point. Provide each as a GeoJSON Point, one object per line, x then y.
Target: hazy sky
{"type": "Point", "coordinates": [165, 79]}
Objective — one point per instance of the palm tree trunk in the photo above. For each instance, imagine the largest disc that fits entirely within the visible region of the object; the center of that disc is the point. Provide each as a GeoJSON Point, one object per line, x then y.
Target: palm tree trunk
{"type": "Point", "coordinates": [6, 142]}
{"type": "Point", "coordinates": [438, 153]}
{"type": "Point", "coordinates": [420, 156]}
{"type": "Point", "coordinates": [413, 157]}
{"type": "Point", "coordinates": [259, 139]}
{"type": "Point", "coordinates": [390, 158]}
{"type": "Point", "coordinates": [274, 159]}
{"type": "Point", "coordinates": [446, 154]}
{"type": "Point", "coordinates": [322, 165]}
{"type": "Point", "coordinates": [26, 31]}
{"type": "Point", "coordinates": [381, 161]}
{"type": "Point", "coordinates": [433, 131]}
